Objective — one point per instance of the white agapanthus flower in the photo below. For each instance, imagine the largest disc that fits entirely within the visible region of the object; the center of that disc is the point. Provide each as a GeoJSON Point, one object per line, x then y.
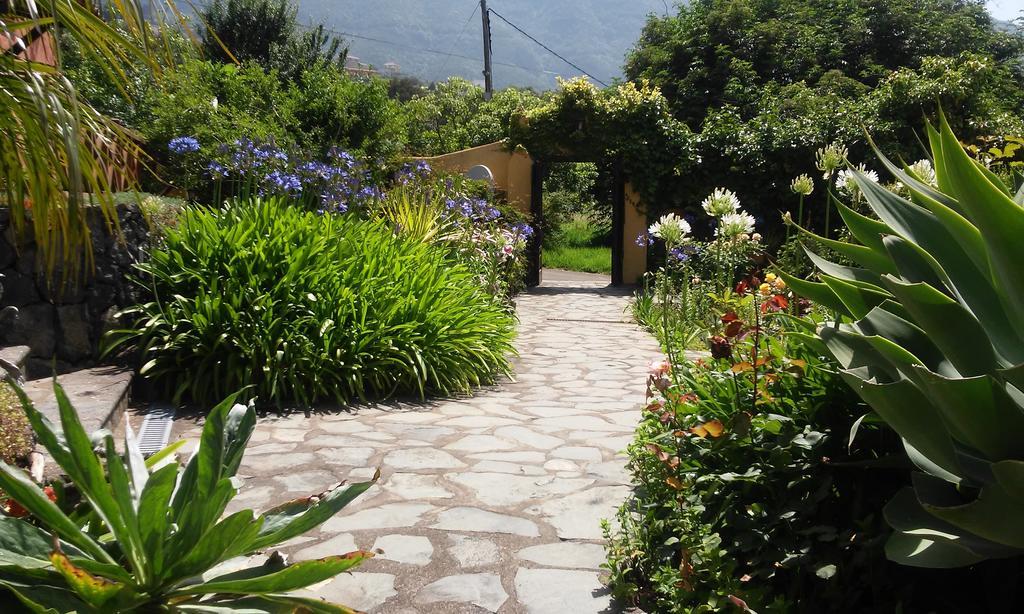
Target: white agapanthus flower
{"type": "Point", "coordinates": [721, 202]}
{"type": "Point", "coordinates": [732, 225]}
{"type": "Point", "coordinates": [671, 229]}
{"type": "Point", "coordinates": [923, 170]}
{"type": "Point", "coordinates": [845, 181]}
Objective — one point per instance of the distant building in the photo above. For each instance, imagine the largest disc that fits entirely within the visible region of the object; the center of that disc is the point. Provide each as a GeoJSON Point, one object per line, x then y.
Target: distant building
{"type": "Point", "coordinates": [356, 68]}
{"type": "Point", "coordinates": [392, 68]}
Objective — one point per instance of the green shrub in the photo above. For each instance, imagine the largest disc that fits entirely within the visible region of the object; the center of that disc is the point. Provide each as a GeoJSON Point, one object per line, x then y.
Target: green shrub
{"type": "Point", "coordinates": [737, 496]}
{"type": "Point", "coordinates": [305, 307]}
{"type": "Point", "coordinates": [462, 217]}
{"type": "Point", "coordinates": [15, 432]}
{"type": "Point", "coordinates": [215, 104]}
{"type": "Point", "coordinates": [334, 110]}
{"type": "Point", "coordinates": [134, 535]}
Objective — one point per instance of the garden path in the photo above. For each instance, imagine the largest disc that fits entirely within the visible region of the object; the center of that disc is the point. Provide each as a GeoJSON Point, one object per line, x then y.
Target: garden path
{"type": "Point", "coordinates": [486, 504]}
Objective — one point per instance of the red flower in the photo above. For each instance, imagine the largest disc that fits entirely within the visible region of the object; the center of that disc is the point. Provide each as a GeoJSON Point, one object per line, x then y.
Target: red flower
{"type": "Point", "coordinates": [775, 303]}
{"type": "Point", "coordinates": [720, 347]}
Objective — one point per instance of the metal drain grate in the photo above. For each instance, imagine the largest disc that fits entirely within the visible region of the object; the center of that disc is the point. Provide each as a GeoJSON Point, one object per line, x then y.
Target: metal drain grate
{"type": "Point", "coordinates": [156, 429]}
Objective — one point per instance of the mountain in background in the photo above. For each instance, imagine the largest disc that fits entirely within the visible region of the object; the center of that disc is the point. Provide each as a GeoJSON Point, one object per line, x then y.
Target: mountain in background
{"type": "Point", "coordinates": [417, 34]}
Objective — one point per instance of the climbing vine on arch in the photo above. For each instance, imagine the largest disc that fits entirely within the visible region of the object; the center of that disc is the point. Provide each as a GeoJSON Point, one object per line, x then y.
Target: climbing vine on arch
{"type": "Point", "coordinates": [630, 122]}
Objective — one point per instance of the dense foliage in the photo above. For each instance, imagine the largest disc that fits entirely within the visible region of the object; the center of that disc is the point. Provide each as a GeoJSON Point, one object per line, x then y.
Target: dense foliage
{"type": "Point", "coordinates": [745, 490]}
{"type": "Point", "coordinates": [132, 535]}
{"type": "Point", "coordinates": [760, 476]}
{"type": "Point", "coordinates": [220, 103]}
{"type": "Point", "coordinates": [266, 32]}
{"type": "Point", "coordinates": [763, 83]}
{"type": "Point", "coordinates": [453, 115]}
{"type": "Point", "coordinates": [717, 53]}
{"type": "Point", "coordinates": [54, 145]}
{"type": "Point", "coordinates": [928, 332]}
{"type": "Point", "coordinates": [304, 306]}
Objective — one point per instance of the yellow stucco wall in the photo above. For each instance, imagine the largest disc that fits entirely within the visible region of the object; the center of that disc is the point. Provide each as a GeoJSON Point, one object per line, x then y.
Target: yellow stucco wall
{"type": "Point", "coordinates": [634, 257]}
{"type": "Point", "coordinates": [512, 170]}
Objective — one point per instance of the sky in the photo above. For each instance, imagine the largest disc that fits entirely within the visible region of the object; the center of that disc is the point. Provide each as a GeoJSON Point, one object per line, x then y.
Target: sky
{"type": "Point", "coordinates": [1006, 9]}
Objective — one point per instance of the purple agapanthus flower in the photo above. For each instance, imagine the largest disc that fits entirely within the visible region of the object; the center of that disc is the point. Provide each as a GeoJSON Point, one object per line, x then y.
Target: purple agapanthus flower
{"type": "Point", "coordinates": [679, 254]}
{"type": "Point", "coordinates": [523, 229]}
{"type": "Point", "coordinates": [216, 170]}
{"type": "Point", "coordinates": [644, 240]}
{"type": "Point", "coordinates": [183, 144]}
{"type": "Point", "coordinates": [284, 182]}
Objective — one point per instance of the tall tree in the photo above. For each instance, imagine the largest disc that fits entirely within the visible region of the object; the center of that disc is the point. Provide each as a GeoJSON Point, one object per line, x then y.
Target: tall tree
{"type": "Point", "coordinates": [267, 32]}
{"type": "Point", "coordinates": [716, 52]}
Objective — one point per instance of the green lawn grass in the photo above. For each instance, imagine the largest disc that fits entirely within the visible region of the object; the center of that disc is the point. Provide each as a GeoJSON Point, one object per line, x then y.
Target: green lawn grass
{"type": "Point", "coordinates": [584, 259]}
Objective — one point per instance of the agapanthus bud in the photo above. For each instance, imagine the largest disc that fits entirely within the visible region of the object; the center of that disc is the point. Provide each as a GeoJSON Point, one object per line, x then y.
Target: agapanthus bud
{"type": "Point", "coordinates": [830, 159]}
{"type": "Point", "coordinates": [802, 185]}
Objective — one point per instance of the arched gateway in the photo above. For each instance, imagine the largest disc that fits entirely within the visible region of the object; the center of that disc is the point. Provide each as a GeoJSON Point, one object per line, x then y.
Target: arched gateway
{"type": "Point", "coordinates": [521, 178]}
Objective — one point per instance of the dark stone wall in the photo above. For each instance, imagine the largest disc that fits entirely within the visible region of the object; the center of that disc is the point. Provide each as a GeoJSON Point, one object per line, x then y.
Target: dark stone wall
{"type": "Point", "coordinates": [63, 321]}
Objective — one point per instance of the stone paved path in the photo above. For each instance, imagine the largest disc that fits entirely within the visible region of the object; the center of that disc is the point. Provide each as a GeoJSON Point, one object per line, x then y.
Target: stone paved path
{"type": "Point", "coordinates": [486, 504]}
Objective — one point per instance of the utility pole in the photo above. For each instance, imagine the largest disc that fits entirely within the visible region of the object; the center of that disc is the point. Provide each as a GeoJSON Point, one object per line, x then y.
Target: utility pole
{"type": "Point", "coordinates": [488, 75]}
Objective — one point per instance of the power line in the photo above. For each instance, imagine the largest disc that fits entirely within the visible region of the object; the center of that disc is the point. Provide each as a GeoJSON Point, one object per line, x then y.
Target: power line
{"type": "Point", "coordinates": [458, 38]}
{"type": "Point", "coordinates": [420, 49]}
{"type": "Point", "coordinates": [546, 48]}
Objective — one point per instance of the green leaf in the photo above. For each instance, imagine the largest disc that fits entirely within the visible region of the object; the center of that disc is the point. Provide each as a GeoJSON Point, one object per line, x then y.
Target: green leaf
{"type": "Point", "coordinates": [978, 412]}
{"type": "Point", "coordinates": [816, 292]}
{"type": "Point", "coordinates": [996, 215]}
{"type": "Point", "coordinates": [265, 604]}
{"type": "Point", "coordinates": [94, 590]}
{"type": "Point", "coordinates": [45, 599]}
{"type": "Point", "coordinates": [906, 336]}
{"type": "Point", "coordinates": [154, 516]}
{"type": "Point", "coordinates": [991, 516]}
{"type": "Point", "coordinates": [951, 327]}
{"type": "Point", "coordinates": [866, 230]}
{"type": "Point", "coordinates": [916, 551]}
{"type": "Point", "coordinates": [19, 487]}
{"type": "Point", "coordinates": [296, 517]}
{"type": "Point", "coordinates": [121, 489]}
{"type": "Point", "coordinates": [228, 538]}
{"type": "Point", "coordinates": [912, 415]}
{"type": "Point", "coordinates": [1010, 475]}
{"type": "Point", "coordinates": [24, 538]}
{"type": "Point", "coordinates": [87, 471]}
{"type": "Point", "coordinates": [857, 299]}
{"type": "Point", "coordinates": [154, 459]}
{"type": "Point", "coordinates": [913, 263]}
{"type": "Point", "coordinates": [849, 274]}
{"type": "Point", "coordinates": [292, 577]}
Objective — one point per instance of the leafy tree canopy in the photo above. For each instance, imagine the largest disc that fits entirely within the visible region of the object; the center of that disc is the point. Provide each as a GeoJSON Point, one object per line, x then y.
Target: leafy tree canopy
{"type": "Point", "coordinates": [716, 52]}
{"type": "Point", "coordinates": [266, 32]}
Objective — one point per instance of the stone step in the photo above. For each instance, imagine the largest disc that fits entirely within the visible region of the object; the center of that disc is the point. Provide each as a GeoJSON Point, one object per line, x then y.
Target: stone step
{"type": "Point", "coordinates": [16, 356]}
{"type": "Point", "coordinates": [100, 395]}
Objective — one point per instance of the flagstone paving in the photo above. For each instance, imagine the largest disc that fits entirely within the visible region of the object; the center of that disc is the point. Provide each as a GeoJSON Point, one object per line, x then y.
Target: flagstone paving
{"type": "Point", "coordinates": [486, 504]}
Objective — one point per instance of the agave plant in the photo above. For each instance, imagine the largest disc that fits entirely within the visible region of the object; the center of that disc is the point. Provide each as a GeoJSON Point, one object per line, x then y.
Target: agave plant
{"type": "Point", "coordinates": [930, 332]}
{"type": "Point", "coordinates": [148, 534]}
